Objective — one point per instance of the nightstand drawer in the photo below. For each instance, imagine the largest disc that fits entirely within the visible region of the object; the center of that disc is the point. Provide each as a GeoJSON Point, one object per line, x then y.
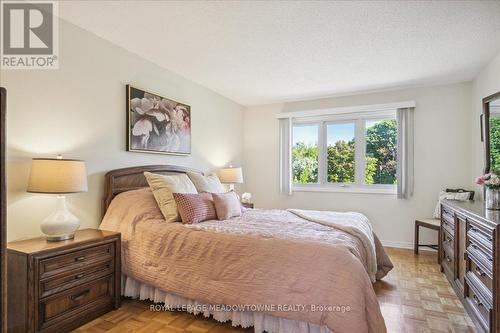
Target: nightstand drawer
{"type": "Point", "coordinates": [75, 260]}
{"type": "Point", "coordinates": [74, 278]}
{"type": "Point", "coordinates": [74, 302]}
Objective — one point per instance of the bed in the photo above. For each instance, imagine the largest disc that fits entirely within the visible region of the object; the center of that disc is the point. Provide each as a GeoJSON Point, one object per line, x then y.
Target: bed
{"type": "Point", "coordinates": [276, 270]}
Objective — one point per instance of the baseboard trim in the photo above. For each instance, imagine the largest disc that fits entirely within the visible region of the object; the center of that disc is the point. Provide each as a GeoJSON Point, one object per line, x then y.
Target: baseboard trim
{"type": "Point", "coordinates": [404, 245]}
{"type": "Point", "coordinates": [397, 244]}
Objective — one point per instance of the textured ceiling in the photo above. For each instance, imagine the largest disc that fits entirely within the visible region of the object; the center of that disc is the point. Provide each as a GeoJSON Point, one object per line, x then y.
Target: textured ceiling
{"type": "Point", "coordinates": [263, 52]}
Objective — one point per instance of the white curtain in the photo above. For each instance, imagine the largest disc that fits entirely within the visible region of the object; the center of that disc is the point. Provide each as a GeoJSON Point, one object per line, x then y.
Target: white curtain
{"type": "Point", "coordinates": [286, 156]}
{"type": "Point", "coordinates": [405, 166]}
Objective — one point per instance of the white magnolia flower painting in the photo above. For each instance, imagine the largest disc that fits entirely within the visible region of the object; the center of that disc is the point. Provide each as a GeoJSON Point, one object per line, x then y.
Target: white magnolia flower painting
{"type": "Point", "coordinates": [157, 124]}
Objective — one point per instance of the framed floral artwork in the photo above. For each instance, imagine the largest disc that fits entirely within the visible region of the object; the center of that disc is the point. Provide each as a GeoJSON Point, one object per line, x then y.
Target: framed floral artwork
{"type": "Point", "coordinates": [157, 124]}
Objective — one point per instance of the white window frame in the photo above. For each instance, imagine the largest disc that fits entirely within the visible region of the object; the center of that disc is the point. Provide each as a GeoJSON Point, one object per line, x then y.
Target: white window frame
{"type": "Point", "coordinates": [359, 119]}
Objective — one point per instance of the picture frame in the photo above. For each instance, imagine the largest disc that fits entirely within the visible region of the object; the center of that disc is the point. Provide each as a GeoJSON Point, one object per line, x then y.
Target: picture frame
{"type": "Point", "coordinates": [157, 124]}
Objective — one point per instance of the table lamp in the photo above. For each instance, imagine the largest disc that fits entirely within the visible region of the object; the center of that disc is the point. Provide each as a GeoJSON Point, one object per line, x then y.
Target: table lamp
{"type": "Point", "coordinates": [58, 176]}
{"type": "Point", "coordinates": [231, 176]}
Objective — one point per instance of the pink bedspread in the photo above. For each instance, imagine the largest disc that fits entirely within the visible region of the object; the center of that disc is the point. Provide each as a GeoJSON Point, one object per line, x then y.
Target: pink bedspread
{"type": "Point", "coordinates": [268, 258]}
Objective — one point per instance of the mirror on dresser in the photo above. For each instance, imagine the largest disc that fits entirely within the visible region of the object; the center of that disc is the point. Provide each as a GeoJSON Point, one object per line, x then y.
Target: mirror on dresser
{"type": "Point", "coordinates": [491, 132]}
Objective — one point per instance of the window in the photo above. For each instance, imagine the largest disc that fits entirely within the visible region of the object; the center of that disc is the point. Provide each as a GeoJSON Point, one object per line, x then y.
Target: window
{"type": "Point", "coordinates": [494, 137]}
{"type": "Point", "coordinates": [305, 154]}
{"type": "Point", "coordinates": [381, 151]}
{"type": "Point", "coordinates": [367, 148]}
{"type": "Point", "coordinates": [347, 152]}
{"type": "Point", "coordinates": [340, 147]}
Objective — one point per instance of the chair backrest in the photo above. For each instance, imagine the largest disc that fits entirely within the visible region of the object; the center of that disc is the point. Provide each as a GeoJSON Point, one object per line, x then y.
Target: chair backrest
{"type": "Point", "coordinates": [461, 190]}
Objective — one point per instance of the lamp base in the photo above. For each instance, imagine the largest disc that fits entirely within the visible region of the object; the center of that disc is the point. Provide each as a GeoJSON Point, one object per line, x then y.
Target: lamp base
{"type": "Point", "coordinates": [61, 224]}
{"type": "Point", "coordinates": [60, 238]}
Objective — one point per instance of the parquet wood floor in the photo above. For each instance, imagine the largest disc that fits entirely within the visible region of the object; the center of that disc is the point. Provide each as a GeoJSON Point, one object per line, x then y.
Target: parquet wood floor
{"type": "Point", "coordinates": [414, 297]}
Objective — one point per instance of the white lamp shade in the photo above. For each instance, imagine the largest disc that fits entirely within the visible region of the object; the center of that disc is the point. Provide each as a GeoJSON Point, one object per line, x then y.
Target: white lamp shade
{"type": "Point", "coordinates": [57, 176]}
{"type": "Point", "coordinates": [231, 175]}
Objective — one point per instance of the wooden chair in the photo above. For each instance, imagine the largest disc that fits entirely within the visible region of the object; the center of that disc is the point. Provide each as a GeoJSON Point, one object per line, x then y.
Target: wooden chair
{"type": "Point", "coordinates": [434, 224]}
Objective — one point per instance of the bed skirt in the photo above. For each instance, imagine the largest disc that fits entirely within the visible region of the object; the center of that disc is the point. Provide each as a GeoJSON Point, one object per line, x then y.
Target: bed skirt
{"type": "Point", "coordinates": [260, 321]}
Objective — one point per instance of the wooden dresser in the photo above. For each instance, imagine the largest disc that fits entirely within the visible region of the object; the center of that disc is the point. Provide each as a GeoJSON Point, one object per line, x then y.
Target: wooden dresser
{"type": "Point", "coordinates": [58, 286]}
{"type": "Point", "coordinates": [469, 253]}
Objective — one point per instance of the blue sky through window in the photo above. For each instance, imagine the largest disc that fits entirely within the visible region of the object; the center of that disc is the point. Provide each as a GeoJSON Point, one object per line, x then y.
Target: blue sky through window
{"type": "Point", "coordinates": [307, 134]}
{"type": "Point", "coordinates": [336, 132]}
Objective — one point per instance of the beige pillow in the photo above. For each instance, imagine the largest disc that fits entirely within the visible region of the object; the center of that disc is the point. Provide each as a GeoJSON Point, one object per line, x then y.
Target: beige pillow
{"type": "Point", "coordinates": [163, 187]}
{"type": "Point", "coordinates": [210, 184]}
{"type": "Point", "coordinates": [227, 205]}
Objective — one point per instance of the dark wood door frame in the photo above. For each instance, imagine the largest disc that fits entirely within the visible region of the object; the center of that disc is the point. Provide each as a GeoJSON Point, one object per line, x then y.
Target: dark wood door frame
{"type": "Point", "coordinates": [3, 216]}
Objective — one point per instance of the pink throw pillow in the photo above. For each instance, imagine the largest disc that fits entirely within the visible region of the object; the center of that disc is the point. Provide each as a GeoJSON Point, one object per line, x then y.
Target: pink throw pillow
{"type": "Point", "coordinates": [195, 207]}
{"type": "Point", "coordinates": [227, 205]}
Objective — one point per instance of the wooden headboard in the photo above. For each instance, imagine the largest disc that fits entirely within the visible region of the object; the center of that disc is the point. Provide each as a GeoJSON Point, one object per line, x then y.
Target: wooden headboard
{"type": "Point", "coordinates": [132, 178]}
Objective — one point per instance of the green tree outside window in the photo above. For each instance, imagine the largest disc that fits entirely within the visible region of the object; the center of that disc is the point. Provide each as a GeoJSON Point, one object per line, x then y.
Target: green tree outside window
{"type": "Point", "coordinates": [381, 157]}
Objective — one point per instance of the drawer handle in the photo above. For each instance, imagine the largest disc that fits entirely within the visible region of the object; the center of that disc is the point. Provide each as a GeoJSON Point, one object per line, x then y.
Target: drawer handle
{"type": "Point", "coordinates": [80, 296]}
{"type": "Point", "coordinates": [79, 276]}
{"type": "Point", "coordinates": [480, 271]}
{"type": "Point", "coordinates": [477, 301]}
{"type": "Point", "coordinates": [79, 259]}
{"type": "Point", "coordinates": [448, 259]}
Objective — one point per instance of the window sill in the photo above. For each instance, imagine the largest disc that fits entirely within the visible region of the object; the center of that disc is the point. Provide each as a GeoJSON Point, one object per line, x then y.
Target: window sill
{"type": "Point", "coordinates": [346, 189]}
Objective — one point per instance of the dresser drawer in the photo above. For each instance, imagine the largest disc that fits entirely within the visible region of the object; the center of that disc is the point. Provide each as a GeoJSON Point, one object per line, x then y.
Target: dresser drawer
{"type": "Point", "coordinates": [74, 302]}
{"type": "Point", "coordinates": [448, 221]}
{"type": "Point", "coordinates": [74, 278]}
{"type": "Point", "coordinates": [479, 256]}
{"type": "Point", "coordinates": [483, 232]}
{"type": "Point", "coordinates": [75, 260]}
{"type": "Point", "coordinates": [447, 239]}
{"type": "Point", "coordinates": [447, 212]}
{"type": "Point", "coordinates": [478, 302]}
{"type": "Point", "coordinates": [480, 239]}
{"type": "Point", "coordinates": [448, 262]}
{"type": "Point", "coordinates": [483, 280]}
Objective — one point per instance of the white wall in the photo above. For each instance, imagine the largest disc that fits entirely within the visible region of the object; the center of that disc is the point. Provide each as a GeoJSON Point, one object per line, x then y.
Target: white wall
{"type": "Point", "coordinates": [485, 84]}
{"type": "Point", "coordinates": [442, 158]}
{"type": "Point", "coordinates": [79, 111]}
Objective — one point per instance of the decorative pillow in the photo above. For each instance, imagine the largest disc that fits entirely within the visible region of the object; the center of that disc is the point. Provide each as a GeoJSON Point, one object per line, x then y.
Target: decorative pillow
{"type": "Point", "coordinates": [227, 205]}
{"type": "Point", "coordinates": [195, 208]}
{"type": "Point", "coordinates": [210, 184]}
{"type": "Point", "coordinates": [163, 188]}
{"type": "Point", "coordinates": [460, 196]}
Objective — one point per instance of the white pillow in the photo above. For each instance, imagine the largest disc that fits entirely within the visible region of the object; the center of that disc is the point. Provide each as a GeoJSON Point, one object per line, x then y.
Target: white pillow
{"type": "Point", "coordinates": [210, 184]}
{"type": "Point", "coordinates": [163, 186]}
{"type": "Point", "coordinates": [460, 196]}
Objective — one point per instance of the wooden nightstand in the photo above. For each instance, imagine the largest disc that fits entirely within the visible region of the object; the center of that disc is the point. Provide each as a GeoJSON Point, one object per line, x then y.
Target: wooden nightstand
{"type": "Point", "coordinates": [247, 205]}
{"type": "Point", "coordinates": [59, 286]}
